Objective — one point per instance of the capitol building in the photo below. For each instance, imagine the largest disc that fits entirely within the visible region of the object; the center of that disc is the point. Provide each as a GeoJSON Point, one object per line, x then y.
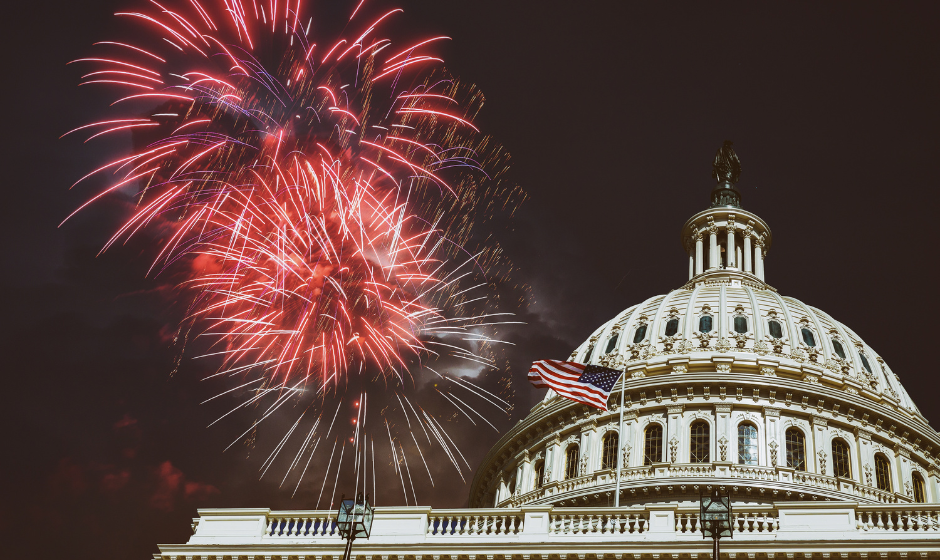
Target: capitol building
{"type": "Point", "coordinates": [728, 385]}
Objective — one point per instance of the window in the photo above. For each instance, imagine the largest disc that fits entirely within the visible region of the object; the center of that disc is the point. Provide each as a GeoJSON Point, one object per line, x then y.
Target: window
{"type": "Point", "coordinates": [837, 346]}
{"type": "Point", "coordinates": [865, 363]}
{"type": "Point", "coordinates": [640, 334]}
{"type": "Point", "coordinates": [796, 449]}
{"type": "Point", "coordinates": [775, 329]}
{"type": "Point", "coordinates": [587, 355]}
{"type": "Point", "coordinates": [920, 490]}
{"type": "Point", "coordinates": [740, 325]}
{"type": "Point", "coordinates": [672, 327]}
{"type": "Point", "coordinates": [699, 442]}
{"type": "Point", "coordinates": [883, 472]}
{"type": "Point", "coordinates": [571, 462]}
{"type": "Point", "coordinates": [609, 459]}
{"type": "Point", "coordinates": [841, 467]}
{"type": "Point", "coordinates": [612, 343]}
{"type": "Point", "coordinates": [747, 444]}
{"type": "Point", "coordinates": [705, 324]}
{"type": "Point", "coordinates": [808, 337]}
{"type": "Point", "coordinates": [653, 448]}
{"type": "Point", "coordinates": [539, 474]}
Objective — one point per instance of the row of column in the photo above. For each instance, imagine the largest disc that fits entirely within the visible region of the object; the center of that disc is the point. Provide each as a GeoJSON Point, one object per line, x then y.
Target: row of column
{"type": "Point", "coordinates": [771, 445]}
{"type": "Point", "coordinates": [737, 257]}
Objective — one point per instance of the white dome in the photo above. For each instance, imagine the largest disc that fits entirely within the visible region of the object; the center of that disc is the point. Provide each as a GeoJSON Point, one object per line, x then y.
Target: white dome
{"type": "Point", "coordinates": [726, 384]}
{"type": "Point", "coordinates": [835, 355]}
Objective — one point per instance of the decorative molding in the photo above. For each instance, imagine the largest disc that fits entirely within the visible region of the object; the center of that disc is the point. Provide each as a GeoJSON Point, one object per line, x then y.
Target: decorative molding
{"type": "Point", "coordinates": [771, 412]}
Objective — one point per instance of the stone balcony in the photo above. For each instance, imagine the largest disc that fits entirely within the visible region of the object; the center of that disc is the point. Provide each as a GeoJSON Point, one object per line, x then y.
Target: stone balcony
{"type": "Point", "coordinates": [658, 531]}
{"type": "Point", "coordinates": [752, 483]}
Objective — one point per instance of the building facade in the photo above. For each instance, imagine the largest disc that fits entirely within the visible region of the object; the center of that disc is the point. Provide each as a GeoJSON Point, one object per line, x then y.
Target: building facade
{"type": "Point", "coordinates": [728, 385]}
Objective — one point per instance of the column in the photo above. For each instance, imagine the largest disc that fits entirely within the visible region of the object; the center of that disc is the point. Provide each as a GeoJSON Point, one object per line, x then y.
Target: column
{"type": "Point", "coordinates": [631, 447]}
{"type": "Point", "coordinates": [523, 484]}
{"type": "Point", "coordinates": [691, 266]}
{"type": "Point", "coordinates": [552, 464]}
{"type": "Point", "coordinates": [747, 251]}
{"type": "Point", "coordinates": [730, 249]}
{"type": "Point", "coordinates": [713, 258]}
{"type": "Point", "coordinates": [673, 433]}
{"type": "Point", "coordinates": [758, 259]}
{"type": "Point", "coordinates": [933, 486]}
{"type": "Point", "coordinates": [866, 457]}
{"type": "Point", "coordinates": [699, 263]}
{"type": "Point", "coordinates": [902, 459]}
{"type": "Point", "coordinates": [775, 454]}
{"type": "Point", "coordinates": [820, 427]}
{"type": "Point", "coordinates": [723, 430]}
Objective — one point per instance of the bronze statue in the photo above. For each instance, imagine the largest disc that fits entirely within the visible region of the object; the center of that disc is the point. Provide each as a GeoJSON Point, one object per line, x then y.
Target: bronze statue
{"type": "Point", "coordinates": [726, 170]}
{"type": "Point", "coordinates": [727, 166]}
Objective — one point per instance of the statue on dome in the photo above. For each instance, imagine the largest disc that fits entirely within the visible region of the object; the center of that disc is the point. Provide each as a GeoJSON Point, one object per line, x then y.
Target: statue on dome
{"type": "Point", "coordinates": [727, 166]}
{"type": "Point", "coordinates": [726, 170]}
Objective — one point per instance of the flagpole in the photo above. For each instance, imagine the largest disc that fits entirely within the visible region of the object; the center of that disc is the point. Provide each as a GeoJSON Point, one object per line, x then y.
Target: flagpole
{"type": "Point", "coordinates": [620, 441]}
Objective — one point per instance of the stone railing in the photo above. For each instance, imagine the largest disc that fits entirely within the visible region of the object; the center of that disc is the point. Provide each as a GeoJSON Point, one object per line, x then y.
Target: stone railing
{"type": "Point", "coordinates": [781, 481]}
{"type": "Point", "coordinates": [796, 529]}
{"type": "Point", "coordinates": [419, 524]}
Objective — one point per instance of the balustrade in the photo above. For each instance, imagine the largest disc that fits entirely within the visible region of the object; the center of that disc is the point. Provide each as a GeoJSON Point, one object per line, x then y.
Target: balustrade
{"type": "Point", "coordinates": [296, 524]}
{"type": "Point", "coordinates": [554, 523]}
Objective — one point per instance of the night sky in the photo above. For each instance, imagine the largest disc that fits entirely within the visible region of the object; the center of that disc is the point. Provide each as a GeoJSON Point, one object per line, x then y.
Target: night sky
{"type": "Point", "coordinates": [612, 113]}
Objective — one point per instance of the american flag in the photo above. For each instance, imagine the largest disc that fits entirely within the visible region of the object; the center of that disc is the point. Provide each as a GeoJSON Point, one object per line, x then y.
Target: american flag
{"type": "Point", "coordinates": [588, 384]}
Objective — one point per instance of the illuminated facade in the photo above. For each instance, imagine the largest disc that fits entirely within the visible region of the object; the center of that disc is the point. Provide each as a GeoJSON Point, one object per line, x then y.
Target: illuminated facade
{"type": "Point", "coordinates": [727, 384]}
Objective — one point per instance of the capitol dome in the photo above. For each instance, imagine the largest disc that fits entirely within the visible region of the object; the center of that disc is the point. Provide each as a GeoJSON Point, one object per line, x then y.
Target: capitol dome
{"type": "Point", "coordinates": [727, 385]}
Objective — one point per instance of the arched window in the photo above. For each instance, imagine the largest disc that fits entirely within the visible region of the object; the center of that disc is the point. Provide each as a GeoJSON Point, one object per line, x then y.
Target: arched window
{"type": "Point", "coordinates": [653, 446]}
{"type": "Point", "coordinates": [705, 324]}
{"type": "Point", "coordinates": [699, 442]}
{"type": "Point", "coordinates": [837, 346]}
{"type": "Point", "coordinates": [587, 355]}
{"type": "Point", "coordinates": [571, 462]}
{"type": "Point", "coordinates": [796, 449]}
{"type": "Point", "coordinates": [841, 465]}
{"type": "Point", "coordinates": [740, 325]}
{"type": "Point", "coordinates": [808, 337]}
{"type": "Point", "coordinates": [747, 444]}
{"type": "Point", "coordinates": [539, 474]}
{"type": "Point", "coordinates": [639, 334]}
{"type": "Point", "coordinates": [775, 329]}
{"type": "Point", "coordinates": [612, 343]}
{"type": "Point", "coordinates": [883, 472]}
{"type": "Point", "coordinates": [672, 327]}
{"type": "Point", "coordinates": [920, 489]}
{"type": "Point", "coordinates": [609, 458]}
{"type": "Point", "coordinates": [865, 363]}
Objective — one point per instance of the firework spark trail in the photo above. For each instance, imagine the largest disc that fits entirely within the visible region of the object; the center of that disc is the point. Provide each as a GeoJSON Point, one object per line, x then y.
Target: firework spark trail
{"type": "Point", "coordinates": [319, 203]}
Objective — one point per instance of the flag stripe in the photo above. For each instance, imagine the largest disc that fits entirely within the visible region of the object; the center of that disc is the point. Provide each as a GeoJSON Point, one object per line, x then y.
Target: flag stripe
{"type": "Point", "coordinates": [586, 384]}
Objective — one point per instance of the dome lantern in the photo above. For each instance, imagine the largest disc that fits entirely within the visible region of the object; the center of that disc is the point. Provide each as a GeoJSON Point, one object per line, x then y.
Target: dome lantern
{"type": "Point", "coordinates": [726, 242]}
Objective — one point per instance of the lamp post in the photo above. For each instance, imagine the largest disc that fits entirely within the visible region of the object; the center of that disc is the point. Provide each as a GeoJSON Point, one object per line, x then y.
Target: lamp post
{"type": "Point", "coordinates": [715, 516]}
{"type": "Point", "coordinates": [354, 520]}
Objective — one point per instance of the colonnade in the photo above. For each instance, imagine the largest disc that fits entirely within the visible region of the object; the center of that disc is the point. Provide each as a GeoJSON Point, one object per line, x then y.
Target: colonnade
{"type": "Point", "coordinates": [748, 256]}
{"type": "Point", "coordinates": [723, 420]}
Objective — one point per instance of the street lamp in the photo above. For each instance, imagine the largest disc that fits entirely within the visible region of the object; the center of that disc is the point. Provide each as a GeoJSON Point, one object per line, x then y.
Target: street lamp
{"type": "Point", "coordinates": [715, 516]}
{"type": "Point", "coordinates": [354, 520]}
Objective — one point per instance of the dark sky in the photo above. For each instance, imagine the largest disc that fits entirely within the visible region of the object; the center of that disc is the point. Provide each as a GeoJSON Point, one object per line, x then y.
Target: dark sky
{"type": "Point", "coordinates": [612, 113]}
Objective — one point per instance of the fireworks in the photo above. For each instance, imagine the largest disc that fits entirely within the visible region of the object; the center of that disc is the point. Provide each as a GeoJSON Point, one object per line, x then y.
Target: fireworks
{"type": "Point", "coordinates": [322, 195]}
